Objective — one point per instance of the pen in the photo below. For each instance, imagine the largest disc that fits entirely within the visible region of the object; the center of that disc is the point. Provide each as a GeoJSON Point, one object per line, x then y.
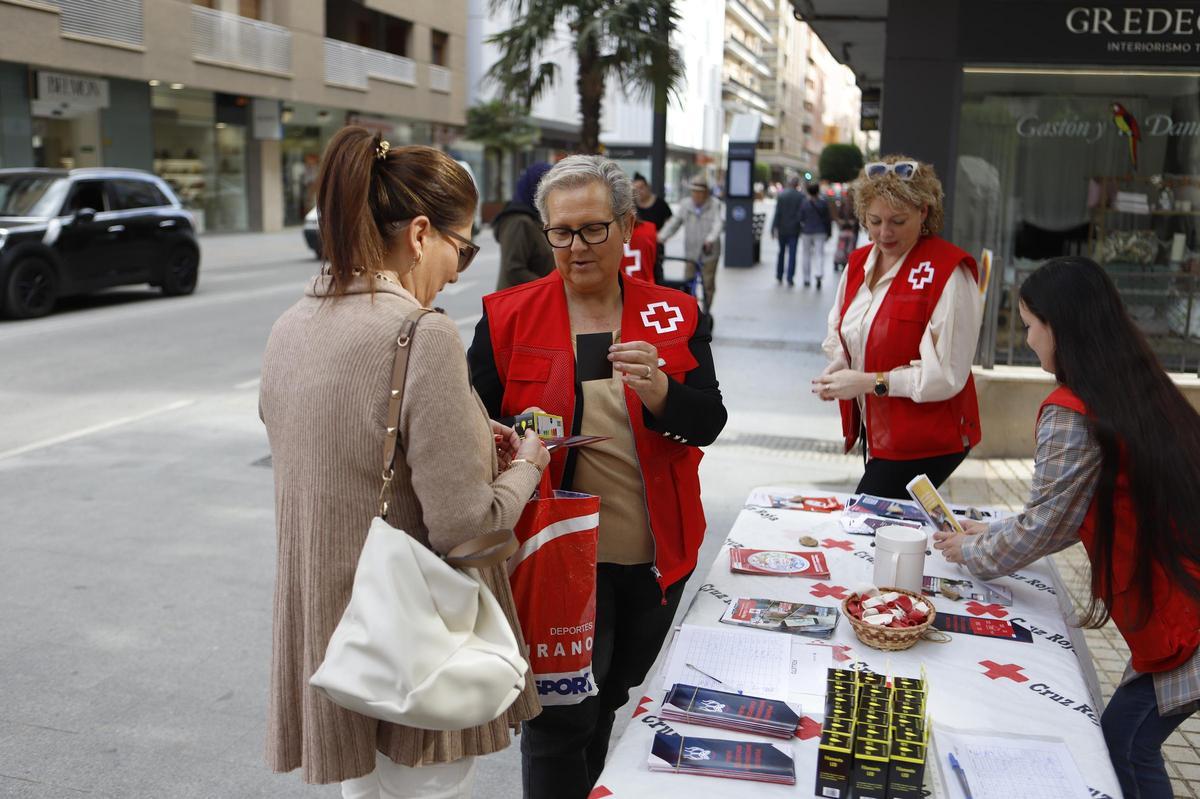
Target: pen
{"type": "Point", "coordinates": [706, 674]}
{"type": "Point", "coordinates": [962, 775]}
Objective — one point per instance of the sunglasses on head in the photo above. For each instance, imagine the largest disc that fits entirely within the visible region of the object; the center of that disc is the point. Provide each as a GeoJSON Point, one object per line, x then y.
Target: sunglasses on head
{"type": "Point", "coordinates": [901, 169]}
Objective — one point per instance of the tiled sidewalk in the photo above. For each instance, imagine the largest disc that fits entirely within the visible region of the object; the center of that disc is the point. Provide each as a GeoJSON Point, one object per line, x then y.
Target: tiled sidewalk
{"type": "Point", "coordinates": [1005, 483]}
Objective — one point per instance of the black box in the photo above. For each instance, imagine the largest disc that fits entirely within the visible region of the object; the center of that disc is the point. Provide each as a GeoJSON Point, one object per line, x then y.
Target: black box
{"type": "Point", "coordinates": [835, 761]}
{"type": "Point", "coordinates": [910, 705]}
{"type": "Point", "coordinates": [871, 678]}
{"type": "Point", "coordinates": [868, 693]}
{"type": "Point", "coordinates": [906, 775]}
{"type": "Point", "coordinates": [871, 764]}
{"type": "Point", "coordinates": [909, 684]}
{"type": "Point", "coordinates": [839, 706]}
{"type": "Point", "coordinates": [873, 732]}
{"type": "Point", "coordinates": [842, 725]}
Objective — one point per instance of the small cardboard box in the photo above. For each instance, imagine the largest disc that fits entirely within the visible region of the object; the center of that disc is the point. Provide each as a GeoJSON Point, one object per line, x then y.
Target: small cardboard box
{"type": "Point", "coordinates": [906, 776]}
{"type": "Point", "coordinates": [871, 763]}
{"type": "Point", "coordinates": [843, 676]}
{"type": "Point", "coordinates": [871, 678]}
{"type": "Point", "coordinates": [873, 732]}
{"type": "Point", "coordinates": [910, 705]}
{"type": "Point", "coordinates": [873, 713]}
{"type": "Point", "coordinates": [909, 683]}
{"type": "Point", "coordinates": [868, 693]}
{"type": "Point", "coordinates": [839, 706]}
{"type": "Point", "coordinates": [835, 762]}
{"type": "Point", "coordinates": [842, 725]}
{"type": "Point", "coordinates": [546, 425]}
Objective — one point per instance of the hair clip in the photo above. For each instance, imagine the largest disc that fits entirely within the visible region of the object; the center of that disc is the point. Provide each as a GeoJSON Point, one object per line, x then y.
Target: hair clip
{"type": "Point", "coordinates": [381, 151]}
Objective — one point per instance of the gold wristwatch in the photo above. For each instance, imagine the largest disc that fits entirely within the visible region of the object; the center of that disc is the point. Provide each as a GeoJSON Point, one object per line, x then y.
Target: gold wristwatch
{"type": "Point", "coordinates": [881, 384]}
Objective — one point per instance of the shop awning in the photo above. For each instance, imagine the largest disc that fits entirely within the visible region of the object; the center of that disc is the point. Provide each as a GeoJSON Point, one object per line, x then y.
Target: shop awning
{"type": "Point", "coordinates": [853, 30]}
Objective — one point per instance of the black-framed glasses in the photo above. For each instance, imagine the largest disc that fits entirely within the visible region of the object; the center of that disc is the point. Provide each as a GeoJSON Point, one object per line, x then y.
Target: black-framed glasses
{"type": "Point", "coordinates": [591, 233]}
{"type": "Point", "coordinates": [901, 169]}
{"type": "Point", "coordinates": [466, 253]}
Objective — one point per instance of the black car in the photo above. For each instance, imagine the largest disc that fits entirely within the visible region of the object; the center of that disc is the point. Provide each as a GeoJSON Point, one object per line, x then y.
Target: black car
{"type": "Point", "coordinates": [73, 232]}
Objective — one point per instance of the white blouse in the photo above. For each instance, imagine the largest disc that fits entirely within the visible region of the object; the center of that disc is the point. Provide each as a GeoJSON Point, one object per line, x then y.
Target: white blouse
{"type": "Point", "coordinates": [947, 346]}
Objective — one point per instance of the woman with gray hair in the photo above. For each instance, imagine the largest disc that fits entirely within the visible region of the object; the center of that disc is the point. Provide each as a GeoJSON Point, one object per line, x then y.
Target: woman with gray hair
{"type": "Point", "coordinates": [628, 360]}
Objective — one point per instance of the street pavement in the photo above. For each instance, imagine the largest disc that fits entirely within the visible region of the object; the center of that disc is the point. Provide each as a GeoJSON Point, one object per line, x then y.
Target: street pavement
{"type": "Point", "coordinates": [137, 529]}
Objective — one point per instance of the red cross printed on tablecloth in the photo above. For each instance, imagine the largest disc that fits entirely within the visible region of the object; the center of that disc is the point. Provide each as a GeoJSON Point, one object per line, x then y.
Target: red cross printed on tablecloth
{"type": "Point", "coordinates": [977, 609]}
{"type": "Point", "coordinates": [997, 670]}
{"type": "Point", "coordinates": [820, 590]}
{"type": "Point", "coordinates": [642, 706]}
{"type": "Point", "coordinates": [808, 729]}
{"type": "Point", "coordinates": [837, 543]}
{"type": "Point", "coordinates": [599, 792]}
{"type": "Point", "coordinates": [841, 653]}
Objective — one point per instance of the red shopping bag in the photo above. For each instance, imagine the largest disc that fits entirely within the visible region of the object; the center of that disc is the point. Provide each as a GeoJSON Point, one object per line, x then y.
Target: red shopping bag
{"type": "Point", "coordinates": [553, 577]}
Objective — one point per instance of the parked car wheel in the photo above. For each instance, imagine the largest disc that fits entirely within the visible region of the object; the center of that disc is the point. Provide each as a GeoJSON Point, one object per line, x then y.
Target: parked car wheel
{"type": "Point", "coordinates": [181, 272]}
{"type": "Point", "coordinates": [32, 289]}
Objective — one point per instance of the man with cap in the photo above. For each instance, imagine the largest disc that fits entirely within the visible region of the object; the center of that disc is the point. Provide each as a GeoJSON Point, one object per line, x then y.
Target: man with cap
{"type": "Point", "coordinates": [702, 218]}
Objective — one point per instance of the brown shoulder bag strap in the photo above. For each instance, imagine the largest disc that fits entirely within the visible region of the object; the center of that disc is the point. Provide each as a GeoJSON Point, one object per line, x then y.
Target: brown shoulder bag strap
{"type": "Point", "coordinates": [395, 398]}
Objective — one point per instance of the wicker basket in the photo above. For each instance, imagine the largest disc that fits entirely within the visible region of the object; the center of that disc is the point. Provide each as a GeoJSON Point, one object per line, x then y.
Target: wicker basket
{"type": "Point", "coordinates": [888, 638]}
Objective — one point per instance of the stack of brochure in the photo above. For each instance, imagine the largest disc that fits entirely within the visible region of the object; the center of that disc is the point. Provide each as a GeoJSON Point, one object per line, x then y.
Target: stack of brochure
{"type": "Point", "coordinates": [775, 561]}
{"type": "Point", "coordinates": [729, 711]}
{"type": "Point", "coordinates": [779, 616]}
{"type": "Point", "coordinates": [717, 757]}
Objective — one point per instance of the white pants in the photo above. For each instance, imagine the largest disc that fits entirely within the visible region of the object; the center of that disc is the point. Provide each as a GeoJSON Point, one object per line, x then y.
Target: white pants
{"type": "Point", "coordinates": [392, 781]}
{"type": "Point", "coordinates": [810, 242]}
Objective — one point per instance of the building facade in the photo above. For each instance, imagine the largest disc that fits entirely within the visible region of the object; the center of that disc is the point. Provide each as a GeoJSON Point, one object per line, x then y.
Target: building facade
{"type": "Point", "coordinates": [231, 101]}
{"type": "Point", "coordinates": [749, 72]}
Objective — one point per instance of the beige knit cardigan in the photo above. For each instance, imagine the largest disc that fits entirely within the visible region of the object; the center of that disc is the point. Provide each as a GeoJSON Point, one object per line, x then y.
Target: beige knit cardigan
{"type": "Point", "coordinates": [323, 399]}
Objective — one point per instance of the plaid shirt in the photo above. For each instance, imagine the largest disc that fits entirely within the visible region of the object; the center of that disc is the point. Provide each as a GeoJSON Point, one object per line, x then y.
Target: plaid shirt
{"type": "Point", "coordinates": [1066, 468]}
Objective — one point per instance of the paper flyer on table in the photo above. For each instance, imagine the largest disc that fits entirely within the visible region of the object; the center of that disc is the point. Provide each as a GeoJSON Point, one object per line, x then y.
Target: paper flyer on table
{"type": "Point", "coordinates": [1002, 766]}
{"type": "Point", "coordinates": [761, 664]}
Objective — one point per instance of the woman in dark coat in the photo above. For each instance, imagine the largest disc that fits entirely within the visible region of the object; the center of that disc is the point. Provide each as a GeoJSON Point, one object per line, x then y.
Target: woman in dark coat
{"type": "Point", "coordinates": [524, 253]}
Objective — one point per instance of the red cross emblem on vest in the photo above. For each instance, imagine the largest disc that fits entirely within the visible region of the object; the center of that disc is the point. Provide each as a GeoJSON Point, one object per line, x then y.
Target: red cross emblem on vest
{"type": "Point", "coordinates": [663, 317]}
{"type": "Point", "coordinates": [922, 276]}
{"type": "Point", "coordinates": [635, 256]}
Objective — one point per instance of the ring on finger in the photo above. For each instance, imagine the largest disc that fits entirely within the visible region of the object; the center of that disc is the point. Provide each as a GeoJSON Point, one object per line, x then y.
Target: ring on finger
{"type": "Point", "coordinates": [649, 372]}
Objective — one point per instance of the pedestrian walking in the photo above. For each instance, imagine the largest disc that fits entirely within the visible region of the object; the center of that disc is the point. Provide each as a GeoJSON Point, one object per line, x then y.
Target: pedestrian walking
{"type": "Point", "coordinates": [902, 334]}
{"type": "Point", "coordinates": [653, 209]}
{"type": "Point", "coordinates": [395, 224]}
{"type": "Point", "coordinates": [1116, 467]}
{"type": "Point", "coordinates": [785, 227]}
{"type": "Point", "coordinates": [847, 224]}
{"type": "Point", "coordinates": [524, 253]}
{"type": "Point", "coordinates": [815, 229]}
{"type": "Point", "coordinates": [620, 358]}
{"type": "Point", "coordinates": [702, 218]}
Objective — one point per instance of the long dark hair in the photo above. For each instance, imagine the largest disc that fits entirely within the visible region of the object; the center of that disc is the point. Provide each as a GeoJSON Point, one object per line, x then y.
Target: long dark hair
{"type": "Point", "coordinates": [1139, 418]}
{"type": "Point", "coordinates": [364, 189]}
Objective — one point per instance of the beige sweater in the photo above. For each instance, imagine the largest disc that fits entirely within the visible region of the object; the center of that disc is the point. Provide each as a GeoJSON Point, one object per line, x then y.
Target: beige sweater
{"type": "Point", "coordinates": [323, 398]}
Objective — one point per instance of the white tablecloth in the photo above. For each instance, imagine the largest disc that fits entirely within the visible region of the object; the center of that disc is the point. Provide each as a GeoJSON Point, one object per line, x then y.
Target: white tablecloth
{"type": "Point", "coordinates": [1046, 687]}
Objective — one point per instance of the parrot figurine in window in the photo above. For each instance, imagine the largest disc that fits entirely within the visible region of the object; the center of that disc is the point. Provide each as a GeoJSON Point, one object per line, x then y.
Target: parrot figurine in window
{"type": "Point", "coordinates": [1127, 126]}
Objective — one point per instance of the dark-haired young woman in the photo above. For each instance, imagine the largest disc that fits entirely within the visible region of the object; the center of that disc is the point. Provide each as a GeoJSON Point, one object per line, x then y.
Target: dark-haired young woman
{"type": "Point", "coordinates": [395, 224]}
{"type": "Point", "coordinates": [1118, 467]}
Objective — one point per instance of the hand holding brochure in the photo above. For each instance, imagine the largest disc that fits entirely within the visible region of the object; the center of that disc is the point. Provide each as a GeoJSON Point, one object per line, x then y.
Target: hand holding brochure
{"type": "Point", "coordinates": [937, 512]}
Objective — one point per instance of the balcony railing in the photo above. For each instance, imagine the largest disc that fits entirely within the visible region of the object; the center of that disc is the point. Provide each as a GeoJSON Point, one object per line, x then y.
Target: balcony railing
{"type": "Point", "coordinates": [238, 41]}
{"type": "Point", "coordinates": [439, 79]}
{"type": "Point", "coordinates": [749, 19]}
{"type": "Point", "coordinates": [351, 66]}
{"type": "Point", "coordinates": [746, 95]}
{"type": "Point", "coordinates": [118, 21]}
{"type": "Point", "coordinates": [747, 55]}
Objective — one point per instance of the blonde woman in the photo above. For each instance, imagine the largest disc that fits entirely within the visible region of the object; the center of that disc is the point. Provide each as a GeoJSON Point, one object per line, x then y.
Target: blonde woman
{"type": "Point", "coordinates": [902, 334]}
{"type": "Point", "coordinates": [395, 224]}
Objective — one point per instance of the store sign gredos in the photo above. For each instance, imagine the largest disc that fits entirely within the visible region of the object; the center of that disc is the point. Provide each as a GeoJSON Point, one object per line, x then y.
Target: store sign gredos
{"type": "Point", "coordinates": [73, 90]}
{"type": "Point", "coordinates": [1133, 21]}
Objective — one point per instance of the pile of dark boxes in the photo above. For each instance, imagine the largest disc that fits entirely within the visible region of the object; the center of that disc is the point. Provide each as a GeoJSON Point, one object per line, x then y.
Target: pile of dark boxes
{"type": "Point", "coordinates": [874, 738]}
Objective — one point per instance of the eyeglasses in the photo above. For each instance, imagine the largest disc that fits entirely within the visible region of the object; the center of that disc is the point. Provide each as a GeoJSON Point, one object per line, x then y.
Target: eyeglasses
{"type": "Point", "coordinates": [901, 169]}
{"type": "Point", "coordinates": [466, 253]}
{"type": "Point", "coordinates": [592, 233]}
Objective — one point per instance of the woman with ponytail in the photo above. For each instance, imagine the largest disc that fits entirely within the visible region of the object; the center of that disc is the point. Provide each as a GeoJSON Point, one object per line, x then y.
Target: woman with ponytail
{"type": "Point", "coordinates": [395, 223]}
{"type": "Point", "coordinates": [1118, 467]}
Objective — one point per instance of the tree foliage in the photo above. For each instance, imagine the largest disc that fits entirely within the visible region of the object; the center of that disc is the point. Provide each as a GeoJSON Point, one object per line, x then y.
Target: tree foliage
{"type": "Point", "coordinates": [626, 41]}
{"type": "Point", "coordinates": [501, 125]}
{"type": "Point", "coordinates": [840, 163]}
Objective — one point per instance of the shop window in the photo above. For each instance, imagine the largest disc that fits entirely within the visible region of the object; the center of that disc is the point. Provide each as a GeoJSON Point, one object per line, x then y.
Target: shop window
{"type": "Point", "coordinates": [129, 194]}
{"type": "Point", "coordinates": [86, 194]}
{"type": "Point", "coordinates": [349, 21]}
{"type": "Point", "coordinates": [439, 43]}
{"type": "Point", "coordinates": [1096, 163]}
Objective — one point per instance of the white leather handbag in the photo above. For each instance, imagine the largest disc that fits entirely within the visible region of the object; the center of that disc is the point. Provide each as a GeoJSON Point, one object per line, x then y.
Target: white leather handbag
{"type": "Point", "coordinates": [422, 642]}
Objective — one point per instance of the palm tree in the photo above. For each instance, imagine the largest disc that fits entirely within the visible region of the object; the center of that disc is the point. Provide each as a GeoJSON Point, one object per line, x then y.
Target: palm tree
{"type": "Point", "coordinates": [627, 40]}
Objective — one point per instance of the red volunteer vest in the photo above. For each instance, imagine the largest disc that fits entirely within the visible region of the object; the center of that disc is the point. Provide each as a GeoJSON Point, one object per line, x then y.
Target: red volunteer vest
{"type": "Point", "coordinates": [641, 251]}
{"type": "Point", "coordinates": [898, 428]}
{"type": "Point", "coordinates": [1172, 633]}
{"type": "Point", "coordinates": [531, 342]}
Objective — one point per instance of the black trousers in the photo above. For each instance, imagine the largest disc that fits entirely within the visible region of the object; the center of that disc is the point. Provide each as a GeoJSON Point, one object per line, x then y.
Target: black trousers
{"type": "Point", "coordinates": [564, 747]}
{"type": "Point", "coordinates": [884, 478]}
